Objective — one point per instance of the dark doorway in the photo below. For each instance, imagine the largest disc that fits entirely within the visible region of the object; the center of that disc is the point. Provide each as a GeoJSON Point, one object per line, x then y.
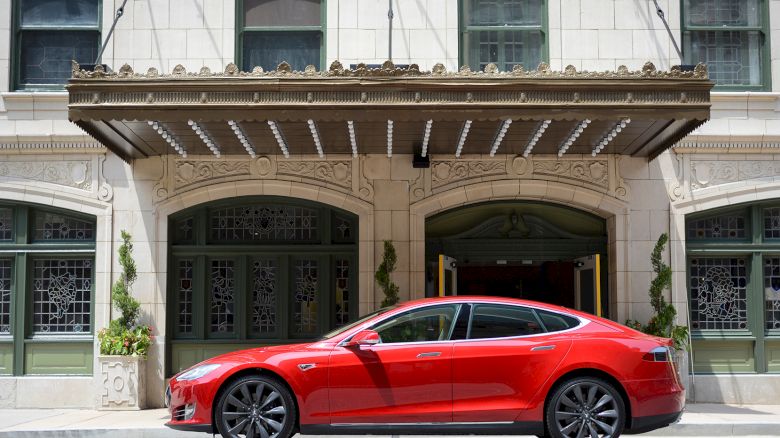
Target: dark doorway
{"type": "Point", "coordinates": [550, 282]}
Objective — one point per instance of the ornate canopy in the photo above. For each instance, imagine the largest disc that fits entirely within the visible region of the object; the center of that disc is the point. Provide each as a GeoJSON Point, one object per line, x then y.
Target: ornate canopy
{"type": "Point", "coordinates": [389, 110]}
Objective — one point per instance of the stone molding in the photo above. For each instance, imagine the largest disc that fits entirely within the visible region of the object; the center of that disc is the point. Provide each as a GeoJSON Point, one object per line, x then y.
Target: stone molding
{"type": "Point", "coordinates": [83, 176]}
{"type": "Point", "coordinates": [708, 173]}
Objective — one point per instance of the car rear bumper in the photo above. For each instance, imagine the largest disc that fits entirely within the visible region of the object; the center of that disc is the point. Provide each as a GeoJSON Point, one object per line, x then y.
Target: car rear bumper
{"type": "Point", "coordinates": [652, 422]}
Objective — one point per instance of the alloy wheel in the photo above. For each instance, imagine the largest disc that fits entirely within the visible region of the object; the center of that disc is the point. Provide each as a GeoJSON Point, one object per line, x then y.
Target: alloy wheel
{"type": "Point", "coordinates": [254, 409]}
{"type": "Point", "coordinates": [587, 410]}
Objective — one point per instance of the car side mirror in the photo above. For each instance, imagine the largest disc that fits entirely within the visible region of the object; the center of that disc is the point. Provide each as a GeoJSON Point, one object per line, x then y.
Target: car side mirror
{"type": "Point", "coordinates": [364, 337]}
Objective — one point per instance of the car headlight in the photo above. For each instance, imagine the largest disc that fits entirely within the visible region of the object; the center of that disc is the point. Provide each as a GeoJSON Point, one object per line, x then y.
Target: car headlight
{"type": "Point", "coordinates": [197, 372]}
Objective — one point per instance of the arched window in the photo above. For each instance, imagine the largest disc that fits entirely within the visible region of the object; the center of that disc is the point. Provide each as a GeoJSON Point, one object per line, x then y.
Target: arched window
{"type": "Point", "coordinates": [734, 288]}
{"type": "Point", "coordinates": [254, 271]}
{"type": "Point", "coordinates": [47, 272]}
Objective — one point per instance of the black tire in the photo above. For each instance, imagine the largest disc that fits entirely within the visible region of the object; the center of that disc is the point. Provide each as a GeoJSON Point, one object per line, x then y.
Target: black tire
{"type": "Point", "coordinates": [255, 407]}
{"type": "Point", "coordinates": [585, 407]}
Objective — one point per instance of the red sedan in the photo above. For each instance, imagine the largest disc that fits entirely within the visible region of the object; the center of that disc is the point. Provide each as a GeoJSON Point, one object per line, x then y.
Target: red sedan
{"type": "Point", "coordinates": [441, 365]}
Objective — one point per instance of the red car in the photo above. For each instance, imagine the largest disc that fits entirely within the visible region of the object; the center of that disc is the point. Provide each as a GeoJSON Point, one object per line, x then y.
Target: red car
{"type": "Point", "coordinates": [441, 365]}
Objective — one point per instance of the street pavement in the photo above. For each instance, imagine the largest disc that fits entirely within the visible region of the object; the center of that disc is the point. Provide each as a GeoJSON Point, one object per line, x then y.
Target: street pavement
{"type": "Point", "coordinates": [700, 420]}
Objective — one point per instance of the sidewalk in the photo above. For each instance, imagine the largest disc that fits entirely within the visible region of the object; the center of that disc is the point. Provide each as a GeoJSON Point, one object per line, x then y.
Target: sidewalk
{"type": "Point", "coordinates": [698, 420]}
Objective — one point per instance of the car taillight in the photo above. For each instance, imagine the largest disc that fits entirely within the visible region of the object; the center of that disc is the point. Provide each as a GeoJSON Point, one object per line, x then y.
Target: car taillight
{"type": "Point", "coordinates": [660, 354]}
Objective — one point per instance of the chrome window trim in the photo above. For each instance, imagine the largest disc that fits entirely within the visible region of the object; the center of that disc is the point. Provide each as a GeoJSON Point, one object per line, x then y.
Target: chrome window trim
{"type": "Point", "coordinates": [583, 323]}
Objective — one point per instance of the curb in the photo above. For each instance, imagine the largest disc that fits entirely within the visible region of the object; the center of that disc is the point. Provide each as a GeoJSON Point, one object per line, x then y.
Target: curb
{"type": "Point", "coordinates": [723, 429]}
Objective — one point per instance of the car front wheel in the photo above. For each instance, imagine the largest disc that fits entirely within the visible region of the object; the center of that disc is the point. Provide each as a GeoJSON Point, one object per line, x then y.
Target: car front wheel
{"type": "Point", "coordinates": [255, 407]}
{"type": "Point", "coordinates": [585, 407]}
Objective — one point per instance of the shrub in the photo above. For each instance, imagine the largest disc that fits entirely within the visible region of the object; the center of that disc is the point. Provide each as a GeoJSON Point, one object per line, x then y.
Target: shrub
{"type": "Point", "coordinates": [382, 275]}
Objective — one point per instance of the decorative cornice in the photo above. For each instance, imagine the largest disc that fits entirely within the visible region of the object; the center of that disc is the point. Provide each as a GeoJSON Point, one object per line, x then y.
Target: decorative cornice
{"type": "Point", "coordinates": [390, 70]}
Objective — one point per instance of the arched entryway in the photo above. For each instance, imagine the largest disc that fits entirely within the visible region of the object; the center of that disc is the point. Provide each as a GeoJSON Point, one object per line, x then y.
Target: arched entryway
{"type": "Point", "coordinates": [258, 270]}
{"type": "Point", "coordinates": [522, 249]}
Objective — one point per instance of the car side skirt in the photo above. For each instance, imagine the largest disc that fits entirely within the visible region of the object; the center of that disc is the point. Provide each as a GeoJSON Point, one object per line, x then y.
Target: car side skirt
{"type": "Point", "coordinates": [499, 428]}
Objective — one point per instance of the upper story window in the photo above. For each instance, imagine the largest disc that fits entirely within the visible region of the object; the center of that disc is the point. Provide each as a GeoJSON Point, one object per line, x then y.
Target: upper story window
{"type": "Point", "coordinates": [48, 35]}
{"type": "Point", "coordinates": [503, 32]}
{"type": "Point", "coordinates": [730, 36]}
{"type": "Point", "coordinates": [272, 31]}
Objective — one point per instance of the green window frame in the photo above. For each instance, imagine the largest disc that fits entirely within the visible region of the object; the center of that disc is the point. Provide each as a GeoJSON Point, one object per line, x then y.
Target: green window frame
{"type": "Point", "coordinates": [40, 30]}
{"type": "Point", "coordinates": [240, 277]}
{"type": "Point", "coordinates": [496, 41]}
{"type": "Point", "coordinates": [291, 31]}
{"type": "Point", "coordinates": [722, 36]}
{"type": "Point", "coordinates": [47, 292]}
{"type": "Point", "coordinates": [733, 279]}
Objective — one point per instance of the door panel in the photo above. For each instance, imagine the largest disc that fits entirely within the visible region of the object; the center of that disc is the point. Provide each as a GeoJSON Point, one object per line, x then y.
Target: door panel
{"type": "Point", "coordinates": [391, 383]}
{"type": "Point", "coordinates": [493, 380]}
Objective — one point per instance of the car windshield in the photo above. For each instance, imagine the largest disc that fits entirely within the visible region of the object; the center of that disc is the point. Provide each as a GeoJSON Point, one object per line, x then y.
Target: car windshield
{"type": "Point", "coordinates": [341, 330]}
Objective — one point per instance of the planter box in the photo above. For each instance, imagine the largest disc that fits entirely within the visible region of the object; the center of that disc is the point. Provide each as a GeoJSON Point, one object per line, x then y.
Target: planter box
{"type": "Point", "coordinates": [122, 383]}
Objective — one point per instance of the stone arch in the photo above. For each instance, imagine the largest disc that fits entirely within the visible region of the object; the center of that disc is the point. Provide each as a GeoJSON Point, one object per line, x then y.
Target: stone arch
{"type": "Point", "coordinates": [614, 210]}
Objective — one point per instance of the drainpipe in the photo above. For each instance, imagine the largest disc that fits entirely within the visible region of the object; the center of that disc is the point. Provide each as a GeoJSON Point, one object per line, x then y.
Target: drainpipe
{"type": "Point", "coordinates": [119, 13]}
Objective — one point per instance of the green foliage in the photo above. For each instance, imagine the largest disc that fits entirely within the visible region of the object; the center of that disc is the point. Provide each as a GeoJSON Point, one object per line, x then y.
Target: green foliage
{"type": "Point", "coordinates": [382, 275]}
{"type": "Point", "coordinates": [123, 336]}
{"type": "Point", "coordinates": [662, 322]}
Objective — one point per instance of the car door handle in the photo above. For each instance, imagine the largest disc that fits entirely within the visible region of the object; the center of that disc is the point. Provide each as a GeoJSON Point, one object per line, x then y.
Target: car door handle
{"type": "Point", "coordinates": [429, 354]}
{"type": "Point", "coordinates": [543, 348]}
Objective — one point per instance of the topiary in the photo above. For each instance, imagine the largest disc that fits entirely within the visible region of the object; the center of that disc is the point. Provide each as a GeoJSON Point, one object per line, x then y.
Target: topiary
{"type": "Point", "coordinates": [382, 275]}
{"type": "Point", "coordinates": [662, 323]}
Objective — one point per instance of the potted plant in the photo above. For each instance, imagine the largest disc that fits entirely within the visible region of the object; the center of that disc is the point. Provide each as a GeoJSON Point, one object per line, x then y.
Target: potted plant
{"type": "Point", "coordinates": [124, 344]}
{"type": "Point", "coordinates": [662, 322]}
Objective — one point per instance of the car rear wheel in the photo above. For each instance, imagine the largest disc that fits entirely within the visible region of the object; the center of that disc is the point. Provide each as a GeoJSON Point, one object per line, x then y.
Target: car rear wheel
{"type": "Point", "coordinates": [585, 407]}
{"type": "Point", "coordinates": [255, 407]}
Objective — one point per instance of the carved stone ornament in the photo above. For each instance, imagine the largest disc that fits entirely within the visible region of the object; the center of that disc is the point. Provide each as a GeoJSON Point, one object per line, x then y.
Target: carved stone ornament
{"type": "Point", "coordinates": [189, 172]}
{"type": "Point", "coordinates": [123, 383]}
{"type": "Point", "coordinates": [334, 172]}
{"type": "Point", "coordinates": [447, 172]}
{"type": "Point", "coordinates": [389, 69]}
{"type": "Point", "coordinates": [594, 172]}
{"type": "Point", "coordinates": [709, 173]}
{"type": "Point", "coordinates": [71, 173]}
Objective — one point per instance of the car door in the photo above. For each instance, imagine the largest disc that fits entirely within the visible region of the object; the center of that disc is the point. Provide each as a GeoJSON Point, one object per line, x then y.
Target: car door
{"type": "Point", "coordinates": [406, 378]}
{"type": "Point", "coordinates": [501, 363]}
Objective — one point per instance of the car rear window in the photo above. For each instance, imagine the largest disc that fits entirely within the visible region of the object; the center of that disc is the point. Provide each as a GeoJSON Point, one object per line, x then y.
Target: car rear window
{"type": "Point", "coordinates": [498, 321]}
{"type": "Point", "coordinates": [555, 322]}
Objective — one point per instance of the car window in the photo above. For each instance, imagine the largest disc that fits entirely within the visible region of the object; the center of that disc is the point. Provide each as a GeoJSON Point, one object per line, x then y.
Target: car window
{"type": "Point", "coordinates": [499, 321]}
{"type": "Point", "coordinates": [555, 322]}
{"type": "Point", "coordinates": [420, 325]}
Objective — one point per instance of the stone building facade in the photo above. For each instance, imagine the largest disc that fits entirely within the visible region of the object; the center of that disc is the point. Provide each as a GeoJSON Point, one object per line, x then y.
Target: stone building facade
{"type": "Point", "coordinates": [714, 192]}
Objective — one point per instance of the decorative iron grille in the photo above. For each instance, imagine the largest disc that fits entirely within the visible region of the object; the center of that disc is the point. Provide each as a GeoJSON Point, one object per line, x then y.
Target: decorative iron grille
{"type": "Point", "coordinates": [724, 227]}
{"type": "Point", "coordinates": [342, 292]}
{"type": "Point", "coordinates": [772, 223]}
{"type": "Point", "coordinates": [62, 295]}
{"type": "Point", "coordinates": [264, 222]}
{"type": "Point", "coordinates": [222, 296]}
{"type": "Point", "coordinates": [306, 296]}
{"type": "Point", "coordinates": [6, 223]}
{"type": "Point", "coordinates": [263, 296]}
{"type": "Point", "coordinates": [772, 292]}
{"type": "Point", "coordinates": [185, 296]}
{"type": "Point", "coordinates": [55, 226]}
{"type": "Point", "coordinates": [718, 288]}
{"type": "Point", "coordinates": [5, 295]}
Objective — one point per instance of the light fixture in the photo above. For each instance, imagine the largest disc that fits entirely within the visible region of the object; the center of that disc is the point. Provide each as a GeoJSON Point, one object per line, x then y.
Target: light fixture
{"type": "Point", "coordinates": [315, 135]}
{"type": "Point", "coordinates": [609, 136]}
{"type": "Point", "coordinates": [540, 128]}
{"type": "Point", "coordinates": [242, 138]}
{"type": "Point", "coordinates": [169, 137]}
{"type": "Point", "coordinates": [575, 133]}
{"type": "Point", "coordinates": [352, 138]}
{"type": "Point", "coordinates": [389, 138]}
{"type": "Point", "coordinates": [464, 132]}
{"type": "Point", "coordinates": [279, 138]}
{"type": "Point", "coordinates": [205, 137]}
{"type": "Point", "coordinates": [500, 136]}
{"type": "Point", "coordinates": [426, 138]}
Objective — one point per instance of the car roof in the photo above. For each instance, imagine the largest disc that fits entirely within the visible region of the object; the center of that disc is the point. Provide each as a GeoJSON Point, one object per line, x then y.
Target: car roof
{"type": "Point", "coordinates": [481, 299]}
